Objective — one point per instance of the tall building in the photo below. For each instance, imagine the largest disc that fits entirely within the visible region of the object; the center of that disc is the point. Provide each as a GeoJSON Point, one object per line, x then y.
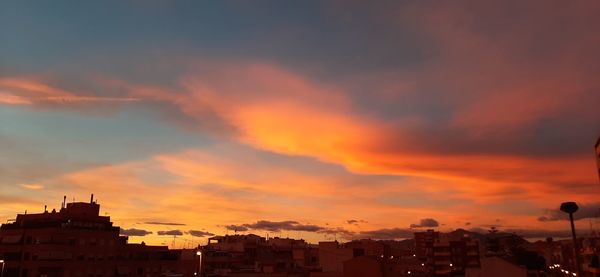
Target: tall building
{"type": "Point", "coordinates": [445, 254]}
{"type": "Point", "coordinates": [77, 241]}
{"type": "Point", "coordinates": [452, 257]}
{"type": "Point", "coordinates": [424, 246]}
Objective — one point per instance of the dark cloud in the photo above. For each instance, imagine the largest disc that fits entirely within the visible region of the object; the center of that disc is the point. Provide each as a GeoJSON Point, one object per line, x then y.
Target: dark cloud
{"type": "Point", "coordinates": [385, 234]}
{"type": "Point", "coordinates": [133, 232]}
{"type": "Point", "coordinates": [344, 233]}
{"type": "Point", "coordinates": [164, 223]}
{"type": "Point", "coordinates": [479, 230]}
{"type": "Point", "coordinates": [590, 210]}
{"type": "Point", "coordinates": [236, 228]}
{"type": "Point", "coordinates": [467, 223]}
{"type": "Point", "coordinates": [198, 233]}
{"type": "Point", "coordinates": [289, 225]}
{"type": "Point", "coordinates": [426, 223]}
{"type": "Point", "coordinates": [170, 233]}
{"type": "Point", "coordinates": [355, 221]}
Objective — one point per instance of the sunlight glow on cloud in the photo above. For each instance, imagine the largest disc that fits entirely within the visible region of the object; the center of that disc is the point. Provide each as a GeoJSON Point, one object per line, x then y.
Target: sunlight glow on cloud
{"type": "Point", "coordinates": [32, 186]}
{"type": "Point", "coordinates": [433, 115]}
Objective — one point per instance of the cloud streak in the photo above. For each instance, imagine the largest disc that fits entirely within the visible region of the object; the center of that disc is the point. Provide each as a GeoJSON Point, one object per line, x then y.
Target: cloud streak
{"type": "Point", "coordinates": [29, 91]}
{"type": "Point", "coordinates": [200, 234]}
{"type": "Point", "coordinates": [170, 233]}
{"type": "Point", "coordinates": [276, 226]}
{"type": "Point", "coordinates": [133, 232]}
{"type": "Point", "coordinates": [164, 223]}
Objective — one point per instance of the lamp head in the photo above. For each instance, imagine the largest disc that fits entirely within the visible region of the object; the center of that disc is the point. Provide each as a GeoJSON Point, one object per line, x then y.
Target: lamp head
{"type": "Point", "coordinates": [569, 207]}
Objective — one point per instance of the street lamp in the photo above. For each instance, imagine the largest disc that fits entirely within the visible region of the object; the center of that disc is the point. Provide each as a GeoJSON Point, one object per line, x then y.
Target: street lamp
{"type": "Point", "coordinates": [2, 262]}
{"type": "Point", "coordinates": [199, 254]}
{"type": "Point", "coordinates": [570, 208]}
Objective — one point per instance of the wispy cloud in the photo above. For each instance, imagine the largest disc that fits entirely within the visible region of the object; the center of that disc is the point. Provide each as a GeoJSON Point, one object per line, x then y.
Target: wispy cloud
{"type": "Point", "coordinates": [30, 91]}
{"type": "Point", "coordinates": [164, 223]}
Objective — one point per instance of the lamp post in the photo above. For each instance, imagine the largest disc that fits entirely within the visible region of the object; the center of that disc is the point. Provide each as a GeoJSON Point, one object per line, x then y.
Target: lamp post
{"type": "Point", "coordinates": [2, 262]}
{"type": "Point", "coordinates": [570, 208]}
{"type": "Point", "coordinates": [199, 254]}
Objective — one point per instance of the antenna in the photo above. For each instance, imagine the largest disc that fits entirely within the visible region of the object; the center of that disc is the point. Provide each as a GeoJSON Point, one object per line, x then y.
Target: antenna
{"type": "Point", "coordinates": [92, 199]}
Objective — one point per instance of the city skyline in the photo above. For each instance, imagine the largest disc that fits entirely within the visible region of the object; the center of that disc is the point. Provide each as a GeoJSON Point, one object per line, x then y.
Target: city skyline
{"type": "Point", "coordinates": [306, 119]}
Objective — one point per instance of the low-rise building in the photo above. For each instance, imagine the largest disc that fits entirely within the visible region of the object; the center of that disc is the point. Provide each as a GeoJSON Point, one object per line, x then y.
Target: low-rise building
{"type": "Point", "coordinates": [252, 255]}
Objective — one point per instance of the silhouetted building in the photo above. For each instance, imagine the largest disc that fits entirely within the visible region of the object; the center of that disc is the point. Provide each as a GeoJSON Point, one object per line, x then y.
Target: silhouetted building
{"type": "Point", "coordinates": [252, 255]}
{"type": "Point", "coordinates": [590, 252]}
{"type": "Point", "coordinates": [332, 254]}
{"type": "Point", "coordinates": [424, 245]}
{"type": "Point", "coordinates": [77, 241]}
{"type": "Point", "coordinates": [445, 254]}
{"type": "Point", "coordinates": [383, 266]}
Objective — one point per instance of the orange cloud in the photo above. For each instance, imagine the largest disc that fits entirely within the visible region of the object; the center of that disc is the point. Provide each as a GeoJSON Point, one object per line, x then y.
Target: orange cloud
{"type": "Point", "coordinates": [277, 110]}
{"type": "Point", "coordinates": [10, 99]}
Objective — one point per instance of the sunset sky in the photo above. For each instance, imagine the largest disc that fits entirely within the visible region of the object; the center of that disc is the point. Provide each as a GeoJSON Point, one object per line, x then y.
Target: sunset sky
{"type": "Point", "coordinates": [308, 119]}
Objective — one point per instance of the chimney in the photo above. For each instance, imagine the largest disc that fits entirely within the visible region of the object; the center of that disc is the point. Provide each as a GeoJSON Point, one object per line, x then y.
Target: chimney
{"type": "Point", "coordinates": [45, 208]}
{"type": "Point", "coordinates": [64, 203]}
{"type": "Point", "coordinates": [92, 199]}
